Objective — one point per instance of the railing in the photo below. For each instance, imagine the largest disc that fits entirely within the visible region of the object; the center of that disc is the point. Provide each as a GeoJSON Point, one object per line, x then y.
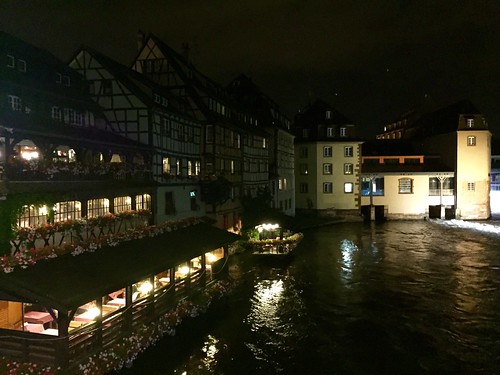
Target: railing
{"type": "Point", "coordinates": [443, 192]}
{"type": "Point", "coordinates": [88, 340]}
{"type": "Point", "coordinates": [20, 170]}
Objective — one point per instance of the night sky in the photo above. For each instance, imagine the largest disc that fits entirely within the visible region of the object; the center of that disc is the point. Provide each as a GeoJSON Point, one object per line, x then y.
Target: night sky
{"type": "Point", "coordinates": [372, 60]}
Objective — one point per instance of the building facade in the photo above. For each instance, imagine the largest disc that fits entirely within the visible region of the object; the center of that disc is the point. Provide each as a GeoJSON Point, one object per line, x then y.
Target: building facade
{"type": "Point", "coordinates": [327, 160]}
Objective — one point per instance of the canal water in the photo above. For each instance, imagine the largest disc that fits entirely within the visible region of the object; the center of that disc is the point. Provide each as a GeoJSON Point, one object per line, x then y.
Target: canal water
{"type": "Point", "coordinates": [402, 297]}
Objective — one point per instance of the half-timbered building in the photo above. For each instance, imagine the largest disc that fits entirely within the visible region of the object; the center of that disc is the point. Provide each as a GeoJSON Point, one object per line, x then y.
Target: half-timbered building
{"type": "Point", "coordinates": [147, 113]}
{"type": "Point", "coordinates": [251, 99]}
{"type": "Point", "coordinates": [223, 144]}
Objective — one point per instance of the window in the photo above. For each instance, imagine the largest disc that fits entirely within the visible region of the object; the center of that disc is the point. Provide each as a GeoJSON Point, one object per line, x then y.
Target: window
{"type": "Point", "coordinates": [21, 65]}
{"type": "Point", "coordinates": [209, 136]}
{"type": "Point", "coordinates": [285, 184]}
{"type": "Point", "coordinates": [11, 61]}
{"type": "Point", "coordinates": [143, 202]}
{"type": "Point", "coordinates": [348, 168]}
{"type": "Point", "coordinates": [304, 187]}
{"type": "Point", "coordinates": [471, 140]}
{"type": "Point", "coordinates": [197, 167]}
{"type": "Point", "coordinates": [327, 151]}
{"type": "Point", "coordinates": [69, 210]}
{"type": "Point", "coordinates": [303, 152]}
{"type": "Point", "coordinates": [57, 113]}
{"type": "Point", "coordinates": [348, 187]}
{"type": "Point", "coordinates": [377, 186]}
{"type": "Point", "coordinates": [15, 102]}
{"type": "Point", "coordinates": [304, 169]}
{"type": "Point", "coordinates": [33, 216]}
{"type": "Point", "coordinates": [169, 203]}
{"type": "Point", "coordinates": [327, 187]}
{"type": "Point", "coordinates": [97, 207]}
{"type": "Point", "coordinates": [107, 87]}
{"type": "Point", "coordinates": [343, 132]}
{"type": "Point", "coordinates": [329, 132]}
{"type": "Point", "coordinates": [122, 204]}
{"type": "Point", "coordinates": [471, 186]}
{"type": "Point", "coordinates": [166, 165]}
{"type": "Point", "coordinates": [327, 168]}
{"type": "Point", "coordinates": [232, 166]}
{"type": "Point", "coordinates": [264, 142]}
{"type": "Point", "coordinates": [348, 151]}
{"type": "Point", "coordinates": [328, 115]}
{"type": "Point", "coordinates": [405, 186]}
{"type": "Point", "coordinates": [470, 122]}
{"type": "Point", "coordinates": [178, 167]}
{"type": "Point", "coordinates": [58, 78]}
{"type": "Point", "coordinates": [305, 133]}
{"type": "Point", "coordinates": [66, 81]}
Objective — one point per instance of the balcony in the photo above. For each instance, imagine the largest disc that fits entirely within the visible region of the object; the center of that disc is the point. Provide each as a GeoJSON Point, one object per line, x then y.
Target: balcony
{"type": "Point", "coordinates": [35, 170]}
{"type": "Point", "coordinates": [443, 192]}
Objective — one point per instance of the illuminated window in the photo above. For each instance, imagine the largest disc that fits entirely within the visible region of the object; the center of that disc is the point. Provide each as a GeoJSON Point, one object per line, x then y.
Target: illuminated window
{"type": "Point", "coordinates": [348, 168]}
{"type": "Point", "coordinates": [348, 151]}
{"type": "Point", "coordinates": [348, 187]}
{"type": "Point", "coordinates": [197, 167]}
{"type": "Point", "coordinates": [232, 166]}
{"type": "Point", "coordinates": [405, 186]}
{"type": "Point", "coordinates": [69, 210]}
{"type": "Point", "coordinates": [327, 168]}
{"type": "Point", "coordinates": [327, 151]}
{"type": "Point", "coordinates": [97, 207]}
{"type": "Point", "coordinates": [343, 132]}
{"type": "Point", "coordinates": [143, 202]}
{"type": "Point", "coordinates": [166, 165]}
{"type": "Point", "coordinates": [329, 132]}
{"type": "Point", "coordinates": [471, 140]}
{"type": "Point", "coordinates": [190, 168]}
{"type": "Point", "coordinates": [327, 187]}
{"type": "Point", "coordinates": [264, 142]}
{"type": "Point", "coordinates": [33, 216]}
{"type": "Point", "coordinates": [328, 115]}
{"type": "Point", "coordinates": [122, 204]}
{"type": "Point", "coordinates": [113, 301]}
{"type": "Point", "coordinates": [470, 122]}
{"type": "Point", "coordinates": [178, 167]}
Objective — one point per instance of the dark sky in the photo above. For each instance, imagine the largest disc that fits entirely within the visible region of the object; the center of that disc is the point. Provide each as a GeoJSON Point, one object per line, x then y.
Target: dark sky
{"type": "Point", "coordinates": [372, 60]}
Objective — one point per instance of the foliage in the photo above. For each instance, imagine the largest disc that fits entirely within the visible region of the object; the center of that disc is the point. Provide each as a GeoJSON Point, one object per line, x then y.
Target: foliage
{"type": "Point", "coordinates": [216, 191]}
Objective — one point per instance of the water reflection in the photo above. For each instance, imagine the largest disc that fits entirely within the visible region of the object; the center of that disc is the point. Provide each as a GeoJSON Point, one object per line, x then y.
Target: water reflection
{"type": "Point", "coordinates": [393, 298]}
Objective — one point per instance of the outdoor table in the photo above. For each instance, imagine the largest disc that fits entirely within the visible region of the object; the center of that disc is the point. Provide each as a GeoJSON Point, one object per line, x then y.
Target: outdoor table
{"type": "Point", "coordinates": [37, 317]}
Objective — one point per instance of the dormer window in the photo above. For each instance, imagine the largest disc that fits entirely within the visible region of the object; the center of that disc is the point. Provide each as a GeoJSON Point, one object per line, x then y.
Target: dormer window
{"type": "Point", "coordinates": [21, 65]}
{"type": "Point", "coordinates": [11, 61]}
{"type": "Point", "coordinates": [343, 132]}
{"type": "Point", "coordinates": [328, 115]}
{"type": "Point", "coordinates": [305, 133]}
{"type": "Point", "coordinates": [470, 122]}
{"type": "Point", "coordinates": [329, 132]}
{"type": "Point", "coordinates": [66, 81]}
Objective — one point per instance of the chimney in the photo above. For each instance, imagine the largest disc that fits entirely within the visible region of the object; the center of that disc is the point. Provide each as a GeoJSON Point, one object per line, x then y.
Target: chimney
{"type": "Point", "coordinates": [140, 40]}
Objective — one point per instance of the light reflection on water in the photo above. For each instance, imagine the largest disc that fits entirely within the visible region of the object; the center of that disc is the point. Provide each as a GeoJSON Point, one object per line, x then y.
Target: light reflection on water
{"type": "Point", "coordinates": [393, 298]}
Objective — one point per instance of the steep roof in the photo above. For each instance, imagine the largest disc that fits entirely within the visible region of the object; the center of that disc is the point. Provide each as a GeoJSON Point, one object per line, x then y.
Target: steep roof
{"type": "Point", "coordinates": [441, 121]}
